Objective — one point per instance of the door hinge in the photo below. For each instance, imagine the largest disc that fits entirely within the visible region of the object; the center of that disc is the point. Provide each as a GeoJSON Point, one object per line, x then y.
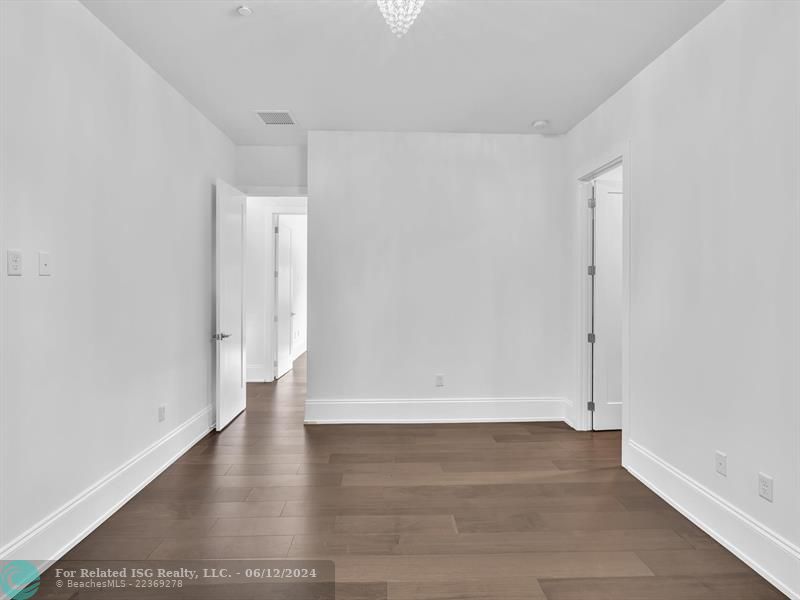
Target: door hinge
{"type": "Point", "coordinates": [276, 230]}
{"type": "Point", "coordinates": [276, 273]}
{"type": "Point", "coordinates": [590, 406]}
{"type": "Point", "coordinates": [591, 270]}
{"type": "Point", "coordinates": [591, 338]}
{"type": "Point", "coordinates": [274, 363]}
{"type": "Point", "coordinates": [275, 318]}
{"type": "Point", "coordinates": [592, 202]}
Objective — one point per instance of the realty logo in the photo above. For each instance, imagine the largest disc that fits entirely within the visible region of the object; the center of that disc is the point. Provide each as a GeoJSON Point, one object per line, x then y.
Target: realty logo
{"type": "Point", "coordinates": [19, 579]}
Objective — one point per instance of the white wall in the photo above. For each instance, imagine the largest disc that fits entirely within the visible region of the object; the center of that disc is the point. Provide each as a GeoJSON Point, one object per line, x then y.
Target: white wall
{"type": "Point", "coordinates": [111, 170]}
{"type": "Point", "coordinates": [260, 281]}
{"type": "Point", "coordinates": [272, 170]}
{"type": "Point", "coordinates": [438, 254]}
{"type": "Point", "coordinates": [429, 253]}
{"type": "Point", "coordinates": [713, 128]}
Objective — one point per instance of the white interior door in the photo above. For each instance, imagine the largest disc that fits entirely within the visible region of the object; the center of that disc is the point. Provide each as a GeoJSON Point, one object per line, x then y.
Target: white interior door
{"type": "Point", "coordinates": [299, 226]}
{"type": "Point", "coordinates": [283, 297]}
{"type": "Point", "coordinates": [230, 308]}
{"type": "Point", "coordinates": [607, 372]}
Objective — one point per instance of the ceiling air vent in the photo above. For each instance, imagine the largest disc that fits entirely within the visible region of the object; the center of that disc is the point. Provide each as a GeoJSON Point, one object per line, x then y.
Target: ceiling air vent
{"type": "Point", "coordinates": [275, 117]}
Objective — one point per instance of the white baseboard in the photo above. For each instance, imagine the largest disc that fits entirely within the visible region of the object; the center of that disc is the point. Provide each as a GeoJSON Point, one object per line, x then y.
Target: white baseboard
{"type": "Point", "coordinates": [260, 374]}
{"type": "Point", "coordinates": [568, 420]}
{"type": "Point", "coordinates": [435, 410]}
{"type": "Point", "coordinates": [52, 537]}
{"type": "Point", "coordinates": [765, 551]}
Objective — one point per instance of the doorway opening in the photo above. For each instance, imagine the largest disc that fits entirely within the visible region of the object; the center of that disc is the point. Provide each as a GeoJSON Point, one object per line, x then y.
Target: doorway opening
{"type": "Point", "coordinates": [260, 293]}
{"type": "Point", "coordinates": [605, 307]}
{"type": "Point", "coordinates": [276, 271]}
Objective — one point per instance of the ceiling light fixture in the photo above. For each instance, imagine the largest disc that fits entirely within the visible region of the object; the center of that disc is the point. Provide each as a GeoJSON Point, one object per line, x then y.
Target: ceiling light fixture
{"type": "Point", "coordinates": [245, 11]}
{"type": "Point", "coordinates": [540, 125]}
{"type": "Point", "coordinates": [400, 14]}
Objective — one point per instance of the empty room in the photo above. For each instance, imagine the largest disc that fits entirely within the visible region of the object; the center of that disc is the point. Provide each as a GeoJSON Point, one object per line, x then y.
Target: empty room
{"type": "Point", "coordinates": [400, 299]}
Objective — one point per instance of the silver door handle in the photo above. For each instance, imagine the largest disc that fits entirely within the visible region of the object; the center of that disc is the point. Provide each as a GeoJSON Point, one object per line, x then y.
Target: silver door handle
{"type": "Point", "coordinates": [220, 336]}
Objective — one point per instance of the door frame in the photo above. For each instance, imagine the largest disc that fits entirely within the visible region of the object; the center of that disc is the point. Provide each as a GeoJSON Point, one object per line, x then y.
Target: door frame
{"type": "Point", "coordinates": [617, 155]}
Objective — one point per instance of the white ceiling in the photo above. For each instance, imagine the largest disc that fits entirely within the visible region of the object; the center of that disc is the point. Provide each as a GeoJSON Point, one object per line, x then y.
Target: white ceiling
{"type": "Point", "coordinates": [465, 66]}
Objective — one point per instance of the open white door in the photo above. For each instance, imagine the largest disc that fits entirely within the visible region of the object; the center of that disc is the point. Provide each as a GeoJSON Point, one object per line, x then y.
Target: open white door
{"type": "Point", "coordinates": [607, 351]}
{"type": "Point", "coordinates": [230, 309]}
{"type": "Point", "coordinates": [283, 298]}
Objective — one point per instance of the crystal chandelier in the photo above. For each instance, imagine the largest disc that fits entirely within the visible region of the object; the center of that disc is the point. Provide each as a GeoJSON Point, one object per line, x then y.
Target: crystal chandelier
{"type": "Point", "coordinates": [400, 14]}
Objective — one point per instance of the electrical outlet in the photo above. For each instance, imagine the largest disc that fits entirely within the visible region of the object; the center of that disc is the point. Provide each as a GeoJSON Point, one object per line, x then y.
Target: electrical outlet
{"type": "Point", "coordinates": [44, 264]}
{"type": "Point", "coordinates": [14, 262]}
{"type": "Point", "coordinates": [162, 412]}
{"type": "Point", "coordinates": [765, 486]}
{"type": "Point", "coordinates": [439, 380]}
{"type": "Point", "coordinates": [721, 460]}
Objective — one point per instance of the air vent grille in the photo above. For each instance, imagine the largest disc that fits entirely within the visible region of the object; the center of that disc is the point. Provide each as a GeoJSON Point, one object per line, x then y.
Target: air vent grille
{"type": "Point", "coordinates": [275, 117]}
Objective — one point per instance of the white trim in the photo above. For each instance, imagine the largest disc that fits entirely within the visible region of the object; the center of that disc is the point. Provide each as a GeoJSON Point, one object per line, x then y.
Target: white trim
{"type": "Point", "coordinates": [768, 553]}
{"type": "Point", "coordinates": [436, 410]}
{"type": "Point", "coordinates": [567, 418]}
{"type": "Point", "coordinates": [56, 534]}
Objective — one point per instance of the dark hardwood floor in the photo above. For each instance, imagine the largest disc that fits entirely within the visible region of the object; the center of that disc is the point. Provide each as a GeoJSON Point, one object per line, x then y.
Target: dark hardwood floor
{"type": "Point", "coordinates": [424, 512]}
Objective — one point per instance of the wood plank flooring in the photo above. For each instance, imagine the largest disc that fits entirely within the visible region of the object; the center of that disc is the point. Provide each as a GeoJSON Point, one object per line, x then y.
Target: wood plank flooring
{"type": "Point", "coordinates": [424, 512]}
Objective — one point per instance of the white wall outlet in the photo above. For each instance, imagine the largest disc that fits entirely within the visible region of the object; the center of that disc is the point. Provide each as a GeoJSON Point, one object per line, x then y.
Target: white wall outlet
{"type": "Point", "coordinates": [44, 264]}
{"type": "Point", "coordinates": [162, 412]}
{"type": "Point", "coordinates": [721, 461]}
{"type": "Point", "coordinates": [439, 380]}
{"type": "Point", "coordinates": [14, 262]}
{"type": "Point", "coordinates": [765, 486]}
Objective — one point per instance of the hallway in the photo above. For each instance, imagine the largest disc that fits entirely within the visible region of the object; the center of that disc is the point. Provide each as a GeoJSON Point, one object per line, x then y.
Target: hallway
{"type": "Point", "coordinates": [484, 511]}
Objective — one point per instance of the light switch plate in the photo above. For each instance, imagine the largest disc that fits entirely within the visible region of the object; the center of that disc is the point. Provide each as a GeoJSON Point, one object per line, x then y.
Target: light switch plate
{"type": "Point", "coordinates": [44, 264]}
{"type": "Point", "coordinates": [14, 262]}
{"type": "Point", "coordinates": [765, 486]}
